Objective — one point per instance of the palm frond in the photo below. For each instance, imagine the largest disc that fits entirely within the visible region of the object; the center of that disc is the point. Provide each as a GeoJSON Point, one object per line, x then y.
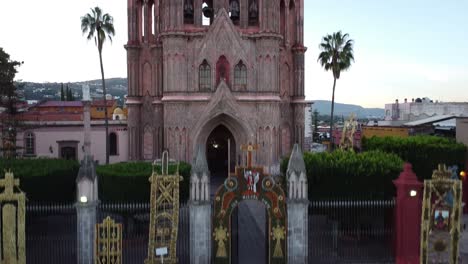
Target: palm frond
{"type": "Point", "coordinates": [337, 52]}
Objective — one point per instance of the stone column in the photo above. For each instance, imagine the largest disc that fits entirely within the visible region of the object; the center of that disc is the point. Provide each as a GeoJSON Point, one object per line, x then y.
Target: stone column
{"type": "Point", "coordinates": [86, 221]}
{"type": "Point", "coordinates": [297, 205]}
{"type": "Point", "coordinates": [408, 216]}
{"type": "Point", "coordinates": [87, 193]}
{"type": "Point", "coordinates": [200, 211]}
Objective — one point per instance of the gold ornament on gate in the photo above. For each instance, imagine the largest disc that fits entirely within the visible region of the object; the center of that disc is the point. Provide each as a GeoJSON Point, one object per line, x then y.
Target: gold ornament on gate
{"type": "Point", "coordinates": [12, 214]}
{"type": "Point", "coordinates": [220, 235]}
{"type": "Point", "coordinates": [164, 215]}
{"type": "Point", "coordinates": [108, 242]}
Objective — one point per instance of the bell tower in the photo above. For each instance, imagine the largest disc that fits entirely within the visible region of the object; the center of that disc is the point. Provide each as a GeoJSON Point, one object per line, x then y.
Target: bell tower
{"type": "Point", "coordinates": [179, 53]}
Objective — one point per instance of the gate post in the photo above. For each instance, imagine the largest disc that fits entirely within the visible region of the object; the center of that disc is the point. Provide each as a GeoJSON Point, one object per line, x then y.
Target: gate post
{"type": "Point", "coordinates": [87, 193]}
{"type": "Point", "coordinates": [408, 216]}
{"type": "Point", "coordinates": [200, 211]}
{"type": "Point", "coordinates": [297, 205]}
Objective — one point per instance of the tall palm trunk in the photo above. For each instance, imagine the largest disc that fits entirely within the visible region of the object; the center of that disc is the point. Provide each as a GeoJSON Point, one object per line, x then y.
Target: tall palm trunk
{"type": "Point", "coordinates": [332, 112]}
{"type": "Point", "coordinates": [106, 122]}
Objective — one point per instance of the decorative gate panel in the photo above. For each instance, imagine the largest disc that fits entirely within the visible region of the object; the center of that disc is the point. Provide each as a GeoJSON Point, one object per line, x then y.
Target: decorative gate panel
{"type": "Point", "coordinates": [249, 183]}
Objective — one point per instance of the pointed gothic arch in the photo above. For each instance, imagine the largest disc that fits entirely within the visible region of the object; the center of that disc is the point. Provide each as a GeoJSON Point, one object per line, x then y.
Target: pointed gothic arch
{"type": "Point", "coordinates": [222, 70]}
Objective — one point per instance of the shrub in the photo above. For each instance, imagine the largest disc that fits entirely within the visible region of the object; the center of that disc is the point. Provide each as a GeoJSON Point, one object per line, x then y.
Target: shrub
{"type": "Point", "coordinates": [423, 152]}
{"type": "Point", "coordinates": [130, 181]}
{"type": "Point", "coordinates": [45, 180]}
{"type": "Point", "coordinates": [366, 175]}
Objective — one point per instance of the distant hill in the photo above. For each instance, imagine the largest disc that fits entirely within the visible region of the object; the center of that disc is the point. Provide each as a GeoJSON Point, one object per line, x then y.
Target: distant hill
{"type": "Point", "coordinates": [117, 87]}
{"type": "Point", "coordinates": [324, 108]}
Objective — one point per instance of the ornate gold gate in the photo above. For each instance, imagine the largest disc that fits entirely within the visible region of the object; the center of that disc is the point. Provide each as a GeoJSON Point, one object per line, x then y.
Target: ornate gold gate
{"type": "Point", "coordinates": [12, 216]}
{"type": "Point", "coordinates": [108, 239]}
{"type": "Point", "coordinates": [164, 218]}
{"type": "Point", "coordinates": [250, 183]}
{"type": "Point", "coordinates": [441, 217]}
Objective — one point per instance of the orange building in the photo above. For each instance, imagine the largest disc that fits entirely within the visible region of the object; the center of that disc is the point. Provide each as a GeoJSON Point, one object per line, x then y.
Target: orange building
{"type": "Point", "coordinates": [385, 131]}
{"type": "Point", "coordinates": [97, 108]}
{"type": "Point", "coordinates": [75, 107]}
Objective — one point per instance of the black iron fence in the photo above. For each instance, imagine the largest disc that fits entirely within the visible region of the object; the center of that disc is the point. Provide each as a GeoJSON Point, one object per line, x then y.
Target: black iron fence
{"type": "Point", "coordinates": [351, 231]}
{"type": "Point", "coordinates": [134, 218]}
{"type": "Point", "coordinates": [340, 231]}
{"type": "Point", "coordinates": [51, 234]}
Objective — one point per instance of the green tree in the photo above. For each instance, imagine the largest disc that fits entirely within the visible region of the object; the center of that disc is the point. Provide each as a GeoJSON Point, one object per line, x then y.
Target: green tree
{"type": "Point", "coordinates": [67, 94]}
{"type": "Point", "coordinates": [315, 134]}
{"type": "Point", "coordinates": [62, 95]}
{"type": "Point", "coordinates": [8, 103]}
{"type": "Point", "coordinates": [100, 27]}
{"type": "Point", "coordinates": [336, 56]}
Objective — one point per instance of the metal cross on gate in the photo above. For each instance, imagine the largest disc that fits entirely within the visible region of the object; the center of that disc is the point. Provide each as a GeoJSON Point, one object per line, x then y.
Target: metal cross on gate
{"type": "Point", "coordinates": [249, 148]}
{"type": "Point", "coordinates": [9, 183]}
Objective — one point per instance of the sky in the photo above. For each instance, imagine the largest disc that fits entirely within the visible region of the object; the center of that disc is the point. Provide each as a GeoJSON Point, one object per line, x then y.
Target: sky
{"type": "Point", "coordinates": [402, 49]}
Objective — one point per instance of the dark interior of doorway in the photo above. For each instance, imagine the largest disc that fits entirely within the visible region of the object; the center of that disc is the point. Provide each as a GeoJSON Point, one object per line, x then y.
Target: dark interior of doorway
{"type": "Point", "coordinates": [217, 154]}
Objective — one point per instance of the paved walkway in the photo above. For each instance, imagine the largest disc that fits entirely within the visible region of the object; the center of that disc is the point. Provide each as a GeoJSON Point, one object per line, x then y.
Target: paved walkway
{"type": "Point", "coordinates": [464, 241]}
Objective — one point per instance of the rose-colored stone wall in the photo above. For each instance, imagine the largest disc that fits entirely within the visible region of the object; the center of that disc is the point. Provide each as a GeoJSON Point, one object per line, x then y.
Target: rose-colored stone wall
{"type": "Point", "coordinates": [167, 110]}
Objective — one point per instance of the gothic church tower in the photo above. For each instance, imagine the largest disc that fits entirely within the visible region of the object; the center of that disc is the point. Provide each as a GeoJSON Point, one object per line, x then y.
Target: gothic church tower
{"type": "Point", "coordinates": [202, 71]}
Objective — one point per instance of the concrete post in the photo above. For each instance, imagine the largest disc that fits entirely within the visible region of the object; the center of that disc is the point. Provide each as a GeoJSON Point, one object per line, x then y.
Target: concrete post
{"type": "Point", "coordinates": [87, 193]}
{"type": "Point", "coordinates": [408, 216]}
{"type": "Point", "coordinates": [86, 221]}
{"type": "Point", "coordinates": [297, 206]}
{"type": "Point", "coordinates": [200, 211]}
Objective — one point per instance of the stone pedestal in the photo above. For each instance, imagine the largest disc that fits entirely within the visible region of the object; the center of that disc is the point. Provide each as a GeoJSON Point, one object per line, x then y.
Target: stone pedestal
{"type": "Point", "coordinates": [86, 221]}
{"type": "Point", "coordinates": [298, 231]}
{"type": "Point", "coordinates": [297, 206]}
{"type": "Point", "coordinates": [200, 232]}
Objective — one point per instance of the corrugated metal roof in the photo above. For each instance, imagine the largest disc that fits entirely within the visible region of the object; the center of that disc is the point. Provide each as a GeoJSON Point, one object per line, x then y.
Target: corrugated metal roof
{"type": "Point", "coordinates": [429, 120]}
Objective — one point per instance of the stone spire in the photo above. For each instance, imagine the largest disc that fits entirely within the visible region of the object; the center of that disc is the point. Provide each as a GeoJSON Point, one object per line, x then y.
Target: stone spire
{"type": "Point", "coordinates": [298, 205]}
{"type": "Point", "coordinates": [200, 165]}
{"type": "Point", "coordinates": [296, 175]}
{"type": "Point", "coordinates": [199, 179]}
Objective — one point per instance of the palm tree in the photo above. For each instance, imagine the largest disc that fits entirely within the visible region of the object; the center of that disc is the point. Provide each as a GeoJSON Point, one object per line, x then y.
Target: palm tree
{"type": "Point", "coordinates": [99, 26]}
{"type": "Point", "coordinates": [337, 55]}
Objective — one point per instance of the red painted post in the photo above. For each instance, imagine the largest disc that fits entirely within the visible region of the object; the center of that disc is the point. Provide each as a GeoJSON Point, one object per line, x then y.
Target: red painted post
{"type": "Point", "coordinates": [408, 216]}
{"type": "Point", "coordinates": [465, 189]}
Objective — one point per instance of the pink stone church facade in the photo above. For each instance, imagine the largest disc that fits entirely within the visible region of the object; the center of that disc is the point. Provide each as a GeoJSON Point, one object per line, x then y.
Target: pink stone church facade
{"type": "Point", "coordinates": [201, 70]}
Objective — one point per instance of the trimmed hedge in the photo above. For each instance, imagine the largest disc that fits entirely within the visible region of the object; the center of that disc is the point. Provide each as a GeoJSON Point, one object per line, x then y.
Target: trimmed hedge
{"type": "Point", "coordinates": [366, 175]}
{"type": "Point", "coordinates": [423, 152]}
{"type": "Point", "coordinates": [130, 181]}
{"type": "Point", "coordinates": [44, 180]}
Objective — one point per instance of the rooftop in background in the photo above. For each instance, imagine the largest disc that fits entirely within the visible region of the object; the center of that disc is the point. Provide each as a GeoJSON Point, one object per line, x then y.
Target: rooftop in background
{"type": "Point", "coordinates": [59, 104]}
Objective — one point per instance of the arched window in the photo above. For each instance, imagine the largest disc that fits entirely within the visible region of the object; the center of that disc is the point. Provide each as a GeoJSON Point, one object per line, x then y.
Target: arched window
{"type": "Point", "coordinates": [204, 76]}
{"type": "Point", "coordinates": [207, 12]}
{"type": "Point", "coordinates": [240, 77]}
{"type": "Point", "coordinates": [253, 13]}
{"type": "Point", "coordinates": [113, 144]}
{"type": "Point", "coordinates": [292, 23]}
{"type": "Point", "coordinates": [234, 11]}
{"type": "Point", "coordinates": [283, 21]}
{"type": "Point", "coordinates": [188, 11]}
{"type": "Point", "coordinates": [30, 143]}
{"type": "Point", "coordinates": [222, 70]}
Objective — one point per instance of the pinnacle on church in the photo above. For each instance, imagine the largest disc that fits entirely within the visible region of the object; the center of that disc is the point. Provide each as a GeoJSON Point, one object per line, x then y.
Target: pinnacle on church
{"type": "Point", "coordinates": [87, 168]}
{"type": "Point", "coordinates": [296, 161]}
{"type": "Point", "coordinates": [200, 164]}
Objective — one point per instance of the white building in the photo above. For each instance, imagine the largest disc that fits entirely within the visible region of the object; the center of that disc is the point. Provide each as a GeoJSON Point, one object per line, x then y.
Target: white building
{"type": "Point", "coordinates": [422, 108]}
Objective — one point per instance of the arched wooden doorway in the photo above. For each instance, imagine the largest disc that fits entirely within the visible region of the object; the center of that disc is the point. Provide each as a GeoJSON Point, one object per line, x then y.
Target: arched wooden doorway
{"type": "Point", "coordinates": [217, 154]}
